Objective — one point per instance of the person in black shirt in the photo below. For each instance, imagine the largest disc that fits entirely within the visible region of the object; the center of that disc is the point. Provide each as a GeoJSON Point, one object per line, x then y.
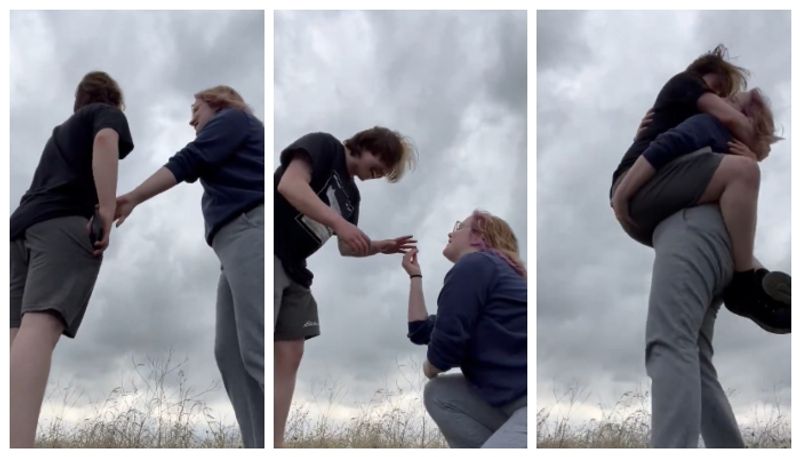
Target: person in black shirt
{"type": "Point", "coordinates": [316, 197]}
{"type": "Point", "coordinates": [227, 156]}
{"type": "Point", "coordinates": [731, 179]}
{"type": "Point", "coordinates": [57, 240]}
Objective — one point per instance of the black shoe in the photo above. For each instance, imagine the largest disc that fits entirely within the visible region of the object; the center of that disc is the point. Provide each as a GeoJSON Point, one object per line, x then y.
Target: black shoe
{"type": "Point", "coordinates": [763, 297]}
{"type": "Point", "coordinates": [778, 285]}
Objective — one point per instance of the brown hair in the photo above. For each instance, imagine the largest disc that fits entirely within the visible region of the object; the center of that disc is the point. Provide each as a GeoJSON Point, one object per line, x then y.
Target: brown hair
{"type": "Point", "coordinates": [221, 97]}
{"type": "Point", "coordinates": [760, 114]}
{"type": "Point", "coordinates": [392, 148]}
{"type": "Point", "coordinates": [98, 87]}
{"type": "Point", "coordinates": [733, 78]}
{"type": "Point", "coordinates": [496, 236]}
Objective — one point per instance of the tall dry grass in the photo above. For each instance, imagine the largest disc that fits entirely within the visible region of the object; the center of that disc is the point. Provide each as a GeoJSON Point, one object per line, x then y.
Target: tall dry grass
{"type": "Point", "coordinates": [145, 413]}
{"type": "Point", "coordinates": [626, 424]}
{"type": "Point", "coordinates": [393, 417]}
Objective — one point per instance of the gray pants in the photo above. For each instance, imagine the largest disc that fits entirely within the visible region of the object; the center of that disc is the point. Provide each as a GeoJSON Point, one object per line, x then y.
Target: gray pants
{"type": "Point", "coordinates": [692, 266]}
{"type": "Point", "coordinates": [239, 342]}
{"type": "Point", "coordinates": [467, 421]}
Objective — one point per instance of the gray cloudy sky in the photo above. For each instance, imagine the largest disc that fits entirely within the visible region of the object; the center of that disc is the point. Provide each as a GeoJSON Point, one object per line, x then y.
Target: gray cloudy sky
{"type": "Point", "coordinates": [455, 82]}
{"type": "Point", "coordinates": [157, 287]}
{"type": "Point", "coordinates": [598, 72]}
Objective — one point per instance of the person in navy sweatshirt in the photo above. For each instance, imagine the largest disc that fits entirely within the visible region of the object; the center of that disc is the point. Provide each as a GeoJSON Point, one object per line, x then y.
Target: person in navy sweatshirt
{"type": "Point", "coordinates": [227, 156]}
{"type": "Point", "coordinates": [480, 327]}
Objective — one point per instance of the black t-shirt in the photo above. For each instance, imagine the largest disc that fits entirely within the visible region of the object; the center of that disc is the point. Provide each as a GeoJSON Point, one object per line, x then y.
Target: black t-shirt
{"type": "Point", "coordinates": [676, 102]}
{"type": "Point", "coordinates": [63, 184]}
{"type": "Point", "coordinates": [297, 236]}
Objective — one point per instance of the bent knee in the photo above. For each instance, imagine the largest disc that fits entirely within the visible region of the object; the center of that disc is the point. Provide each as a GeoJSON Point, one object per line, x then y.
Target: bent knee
{"type": "Point", "coordinates": [743, 168]}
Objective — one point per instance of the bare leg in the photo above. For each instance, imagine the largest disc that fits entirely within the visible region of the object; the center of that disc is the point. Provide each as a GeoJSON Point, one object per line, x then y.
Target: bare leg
{"type": "Point", "coordinates": [735, 186]}
{"type": "Point", "coordinates": [287, 361]}
{"type": "Point", "coordinates": [30, 367]}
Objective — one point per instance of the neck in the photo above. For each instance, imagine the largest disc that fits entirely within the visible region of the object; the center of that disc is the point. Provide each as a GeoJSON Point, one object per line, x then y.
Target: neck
{"type": "Point", "coordinates": [466, 251]}
{"type": "Point", "coordinates": [350, 163]}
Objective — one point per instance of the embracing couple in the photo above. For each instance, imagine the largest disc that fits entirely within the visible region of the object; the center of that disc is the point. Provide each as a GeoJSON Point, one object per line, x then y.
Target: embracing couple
{"type": "Point", "coordinates": [481, 320]}
{"type": "Point", "coordinates": [688, 187]}
{"type": "Point", "coordinates": [64, 221]}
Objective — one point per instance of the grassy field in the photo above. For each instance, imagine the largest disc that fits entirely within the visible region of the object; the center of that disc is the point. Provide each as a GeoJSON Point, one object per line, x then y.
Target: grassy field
{"type": "Point", "coordinates": [393, 417]}
{"type": "Point", "coordinates": [627, 424]}
{"type": "Point", "coordinates": [144, 414]}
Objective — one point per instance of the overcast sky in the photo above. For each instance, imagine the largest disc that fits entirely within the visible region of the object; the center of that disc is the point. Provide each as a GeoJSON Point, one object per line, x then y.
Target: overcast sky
{"type": "Point", "coordinates": [455, 82]}
{"type": "Point", "coordinates": [598, 73]}
{"type": "Point", "coordinates": [157, 286]}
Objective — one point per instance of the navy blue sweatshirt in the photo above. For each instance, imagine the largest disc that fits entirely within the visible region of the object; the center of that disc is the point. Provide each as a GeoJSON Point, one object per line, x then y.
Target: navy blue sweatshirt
{"type": "Point", "coordinates": [696, 132]}
{"type": "Point", "coordinates": [481, 326]}
{"type": "Point", "coordinates": [228, 158]}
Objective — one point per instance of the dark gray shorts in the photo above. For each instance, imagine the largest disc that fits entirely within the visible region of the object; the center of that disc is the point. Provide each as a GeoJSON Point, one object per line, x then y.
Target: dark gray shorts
{"type": "Point", "coordinates": [53, 270]}
{"type": "Point", "coordinates": [677, 185]}
{"type": "Point", "coordinates": [295, 308]}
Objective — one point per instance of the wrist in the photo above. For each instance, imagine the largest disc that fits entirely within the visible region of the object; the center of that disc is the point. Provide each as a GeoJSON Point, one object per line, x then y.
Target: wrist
{"type": "Point", "coordinates": [415, 275]}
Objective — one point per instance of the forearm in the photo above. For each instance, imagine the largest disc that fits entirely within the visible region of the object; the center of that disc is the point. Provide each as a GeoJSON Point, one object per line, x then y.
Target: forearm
{"type": "Point", "coordinates": [347, 251]}
{"type": "Point", "coordinates": [416, 301]}
{"type": "Point", "coordinates": [158, 182]}
{"type": "Point", "coordinates": [302, 197]}
{"type": "Point", "coordinates": [105, 160]}
{"type": "Point", "coordinates": [635, 178]}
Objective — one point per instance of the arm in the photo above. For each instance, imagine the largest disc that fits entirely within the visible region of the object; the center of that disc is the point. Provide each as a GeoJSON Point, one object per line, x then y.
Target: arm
{"type": "Point", "coordinates": [392, 246]}
{"type": "Point", "coordinates": [420, 324]}
{"type": "Point", "coordinates": [296, 189]}
{"type": "Point", "coordinates": [105, 161]}
{"type": "Point", "coordinates": [158, 182]}
{"type": "Point", "coordinates": [463, 296]}
{"type": "Point", "coordinates": [733, 119]}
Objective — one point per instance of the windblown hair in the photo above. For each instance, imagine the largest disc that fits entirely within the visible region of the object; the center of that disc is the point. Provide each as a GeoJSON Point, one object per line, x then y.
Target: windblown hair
{"type": "Point", "coordinates": [392, 148]}
{"type": "Point", "coordinates": [98, 87]}
{"type": "Point", "coordinates": [758, 110]}
{"type": "Point", "coordinates": [733, 79]}
{"type": "Point", "coordinates": [221, 97]}
{"type": "Point", "coordinates": [495, 235]}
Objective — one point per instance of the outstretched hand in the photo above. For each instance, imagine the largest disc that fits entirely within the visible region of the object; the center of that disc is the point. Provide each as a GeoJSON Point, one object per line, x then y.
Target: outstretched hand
{"type": "Point", "coordinates": [397, 245]}
{"type": "Point", "coordinates": [125, 205]}
{"type": "Point", "coordinates": [410, 263]}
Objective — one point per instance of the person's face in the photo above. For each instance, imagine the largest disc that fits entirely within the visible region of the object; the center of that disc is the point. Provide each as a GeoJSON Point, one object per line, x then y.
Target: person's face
{"type": "Point", "coordinates": [741, 99]}
{"type": "Point", "coordinates": [369, 166]}
{"type": "Point", "coordinates": [201, 114]}
{"type": "Point", "coordinates": [458, 241]}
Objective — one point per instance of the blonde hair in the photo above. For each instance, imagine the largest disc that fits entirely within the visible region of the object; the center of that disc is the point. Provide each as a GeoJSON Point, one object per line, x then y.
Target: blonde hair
{"type": "Point", "coordinates": [759, 112]}
{"type": "Point", "coordinates": [221, 97]}
{"type": "Point", "coordinates": [496, 236]}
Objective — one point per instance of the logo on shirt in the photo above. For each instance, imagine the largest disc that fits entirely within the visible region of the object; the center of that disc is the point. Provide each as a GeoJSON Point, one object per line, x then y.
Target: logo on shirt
{"type": "Point", "coordinates": [338, 200]}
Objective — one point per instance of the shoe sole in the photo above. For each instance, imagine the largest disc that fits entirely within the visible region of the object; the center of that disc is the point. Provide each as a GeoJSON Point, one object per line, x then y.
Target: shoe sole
{"type": "Point", "coordinates": [778, 286]}
{"type": "Point", "coordinates": [770, 329]}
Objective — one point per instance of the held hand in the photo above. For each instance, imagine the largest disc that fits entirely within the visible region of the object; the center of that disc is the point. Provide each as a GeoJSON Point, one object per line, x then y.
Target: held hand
{"type": "Point", "coordinates": [400, 245]}
{"type": "Point", "coordinates": [125, 205]}
{"type": "Point", "coordinates": [738, 148]}
{"type": "Point", "coordinates": [354, 238]}
{"type": "Point", "coordinates": [107, 220]}
{"type": "Point", "coordinates": [621, 210]}
{"type": "Point", "coordinates": [646, 120]}
{"type": "Point", "coordinates": [410, 263]}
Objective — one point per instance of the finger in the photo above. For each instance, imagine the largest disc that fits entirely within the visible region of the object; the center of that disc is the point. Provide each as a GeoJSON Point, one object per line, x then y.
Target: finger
{"type": "Point", "coordinates": [121, 220]}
